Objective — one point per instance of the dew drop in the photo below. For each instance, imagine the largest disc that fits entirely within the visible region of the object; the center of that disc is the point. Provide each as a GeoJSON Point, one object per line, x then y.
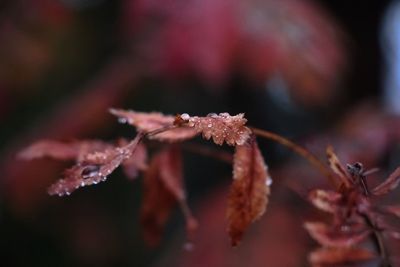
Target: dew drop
{"type": "Point", "coordinates": [185, 116]}
{"type": "Point", "coordinates": [268, 182]}
{"type": "Point", "coordinates": [122, 120]}
{"type": "Point", "coordinates": [90, 171]}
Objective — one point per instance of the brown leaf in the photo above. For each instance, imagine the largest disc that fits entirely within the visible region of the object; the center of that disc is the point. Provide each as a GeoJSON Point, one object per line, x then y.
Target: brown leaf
{"type": "Point", "coordinates": [136, 162]}
{"type": "Point", "coordinates": [335, 236]}
{"type": "Point", "coordinates": [334, 256]}
{"type": "Point", "coordinates": [60, 150]}
{"type": "Point", "coordinates": [93, 168]}
{"type": "Point", "coordinates": [325, 200]}
{"type": "Point", "coordinates": [389, 184]}
{"type": "Point", "coordinates": [222, 128]}
{"type": "Point", "coordinates": [163, 189]}
{"type": "Point", "coordinates": [249, 192]}
{"type": "Point", "coordinates": [337, 167]}
{"type": "Point", "coordinates": [148, 122]}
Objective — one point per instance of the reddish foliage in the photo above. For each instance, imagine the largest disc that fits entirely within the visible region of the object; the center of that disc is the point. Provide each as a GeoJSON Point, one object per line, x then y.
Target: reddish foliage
{"type": "Point", "coordinates": [249, 192]}
{"type": "Point", "coordinates": [340, 256]}
{"type": "Point", "coordinates": [222, 128]}
{"type": "Point", "coordinates": [355, 216]}
{"type": "Point", "coordinates": [163, 189]}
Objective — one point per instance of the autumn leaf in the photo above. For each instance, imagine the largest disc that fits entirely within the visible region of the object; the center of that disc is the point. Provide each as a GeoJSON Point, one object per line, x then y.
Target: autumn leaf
{"type": "Point", "coordinates": [93, 168]}
{"type": "Point", "coordinates": [325, 200]}
{"type": "Point", "coordinates": [136, 162]}
{"type": "Point", "coordinates": [222, 128]}
{"type": "Point", "coordinates": [149, 122]}
{"type": "Point", "coordinates": [337, 167]}
{"type": "Point", "coordinates": [331, 236]}
{"type": "Point", "coordinates": [249, 192]}
{"type": "Point", "coordinates": [389, 184]}
{"type": "Point", "coordinates": [163, 189]}
{"type": "Point", "coordinates": [62, 150]}
{"type": "Point", "coordinates": [340, 255]}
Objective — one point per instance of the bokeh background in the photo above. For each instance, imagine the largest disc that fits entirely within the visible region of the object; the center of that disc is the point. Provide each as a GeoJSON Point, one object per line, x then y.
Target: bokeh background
{"type": "Point", "coordinates": [317, 72]}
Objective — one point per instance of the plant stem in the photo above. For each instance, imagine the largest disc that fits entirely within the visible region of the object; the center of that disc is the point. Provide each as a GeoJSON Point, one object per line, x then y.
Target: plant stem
{"type": "Point", "coordinates": [378, 241]}
{"type": "Point", "coordinates": [301, 151]}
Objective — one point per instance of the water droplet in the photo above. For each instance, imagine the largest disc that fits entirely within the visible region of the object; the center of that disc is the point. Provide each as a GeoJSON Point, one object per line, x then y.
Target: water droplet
{"type": "Point", "coordinates": [122, 120]}
{"type": "Point", "coordinates": [269, 181]}
{"type": "Point", "coordinates": [209, 125]}
{"type": "Point", "coordinates": [185, 117]}
{"type": "Point", "coordinates": [90, 171]}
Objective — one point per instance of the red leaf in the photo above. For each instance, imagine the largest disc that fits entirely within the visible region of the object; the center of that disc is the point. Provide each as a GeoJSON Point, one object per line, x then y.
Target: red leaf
{"type": "Point", "coordinates": [93, 168]}
{"type": "Point", "coordinates": [325, 200]}
{"type": "Point", "coordinates": [163, 189]}
{"type": "Point", "coordinates": [136, 162]}
{"type": "Point", "coordinates": [389, 184]}
{"type": "Point", "coordinates": [337, 167]}
{"type": "Point", "coordinates": [249, 192]}
{"type": "Point", "coordinates": [341, 255]}
{"type": "Point", "coordinates": [334, 236]}
{"type": "Point", "coordinates": [148, 122]}
{"type": "Point", "coordinates": [222, 128]}
{"type": "Point", "coordinates": [60, 150]}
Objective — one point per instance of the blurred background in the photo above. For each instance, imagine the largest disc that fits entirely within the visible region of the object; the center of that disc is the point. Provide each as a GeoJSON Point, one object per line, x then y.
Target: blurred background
{"type": "Point", "coordinates": [319, 72]}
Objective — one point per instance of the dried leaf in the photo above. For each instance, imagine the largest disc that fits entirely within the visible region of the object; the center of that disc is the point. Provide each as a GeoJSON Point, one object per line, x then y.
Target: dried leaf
{"type": "Point", "coordinates": [334, 256]}
{"type": "Point", "coordinates": [61, 150]}
{"type": "Point", "coordinates": [249, 192]}
{"type": "Point", "coordinates": [337, 167]}
{"type": "Point", "coordinates": [136, 162]}
{"type": "Point", "coordinates": [222, 128]}
{"type": "Point", "coordinates": [389, 184]}
{"type": "Point", "coordinates": [325, 200]}
{"type": "Point", "coordinates": [93, 168]}
{"type": "Point", "coordinates": [335, 236]}
{"type": "Point", "coordinates": [148, 122]}
{"type": "Point", "coordinates": [163, 189]}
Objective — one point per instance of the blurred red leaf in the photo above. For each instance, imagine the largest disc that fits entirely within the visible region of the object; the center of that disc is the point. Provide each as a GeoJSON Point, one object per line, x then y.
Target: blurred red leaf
{"type": "Point", "coordinates": [389, 184]}
{"type": "Point", "coordinates": [337, 167]}
{"type": "Point", "coordinates": [249, 191]}
{"type": "Point", "coordinates": [61, 150]}
{"type": "Point", "coordinates": [335, 256]}
{"type": "Point", "coordinates": [293, 40]}
{"type": "Point", "coordinates": [325, 200]}
{"type": "Point", "coordinates": [330, 236]}
{"type": "Point", "coordinates": [163, 189]}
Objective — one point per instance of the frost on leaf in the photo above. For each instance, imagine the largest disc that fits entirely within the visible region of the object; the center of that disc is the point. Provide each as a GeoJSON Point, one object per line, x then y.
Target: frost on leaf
{"type": "Point", "coordinates": [93, 168]}
{"type": "Point", "coordinates": [331, 236]}
{"type": "Point", "coordinates": [222, 128]}
{"type": "Point", "coordinates": [249, 192]}
{"type": "Point", "coordinates": [149, 122]}
{"type": "Point", "coordinates": [163, 189]}
{"type": "Point", "coordinates": [389, 184]}
{"type": "Point", "coordinates": [61, 150]}
{"type": "Point", "coordinates": [342, 255]}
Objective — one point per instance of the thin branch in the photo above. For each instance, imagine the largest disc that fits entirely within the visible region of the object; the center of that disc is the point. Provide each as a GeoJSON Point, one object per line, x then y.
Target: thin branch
{"type": "Point", "coordinates": [378, 241]}
{"type": "Point", "coordinates": [301, 151]}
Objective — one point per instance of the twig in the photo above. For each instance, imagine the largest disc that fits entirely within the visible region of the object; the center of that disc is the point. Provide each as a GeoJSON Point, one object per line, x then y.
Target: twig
{"type": "Point", "coordinates": [298, 150]}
